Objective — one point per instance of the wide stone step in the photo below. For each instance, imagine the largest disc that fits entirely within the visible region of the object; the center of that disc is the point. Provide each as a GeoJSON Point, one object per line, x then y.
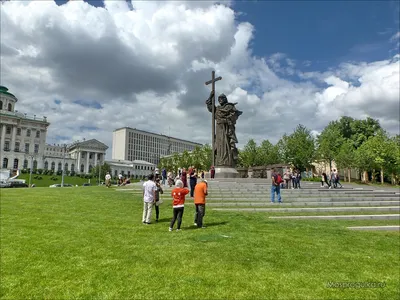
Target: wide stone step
{"type": "Point", "coordinates": [342, 217]}
{"type": "Point", "coordinates": [386, 228]}
{"type": "Point", "coordinates": [315, 209]}
{"type": "Point", "coordinates": [261, 204]}
{"type": "Point", "coordinates": [267, 198]}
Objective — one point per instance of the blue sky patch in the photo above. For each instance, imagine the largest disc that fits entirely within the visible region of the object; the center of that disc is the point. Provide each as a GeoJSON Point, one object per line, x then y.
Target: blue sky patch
{"type": "Point", "coordinates": [89, 104]}
{"type": "Point", "coordinates": [88, 128]}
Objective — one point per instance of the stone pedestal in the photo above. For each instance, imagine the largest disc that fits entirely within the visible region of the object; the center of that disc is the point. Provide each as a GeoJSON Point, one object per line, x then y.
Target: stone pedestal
{"type": "Point", "coordinates": [226, 172]}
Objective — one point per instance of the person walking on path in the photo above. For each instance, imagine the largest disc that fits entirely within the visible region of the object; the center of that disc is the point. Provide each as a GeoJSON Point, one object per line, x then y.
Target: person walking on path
{"type": "Point", "coordinates": [157, 203]}
{"type": "Point", "coordinates": [192, 181]}
{"type": "Point", "coordinates": [276, 186]}
{"type": "Point", "coordinates": [178, 203]}
{"type": "Point", "coordinates": [200, 193]}
{"type": "Point", "coordinates": [108, 180]}
{"type": "Point", "coordinates": [184, 177]}
{"type": "Point", "coordinates": [337, 178]}
{"type": "Point", "coordinates": [149, 195]}
{"type": "Point", "coordinates": [324, 179]}
{"type": "Point", "coordinates": [164, 175]}
{"type": "Point", "coordinates": [286, 177]}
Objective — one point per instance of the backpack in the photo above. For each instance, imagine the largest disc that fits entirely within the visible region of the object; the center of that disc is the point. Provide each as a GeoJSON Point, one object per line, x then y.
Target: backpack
{"type": "Point", "coordinates": [278, 179]}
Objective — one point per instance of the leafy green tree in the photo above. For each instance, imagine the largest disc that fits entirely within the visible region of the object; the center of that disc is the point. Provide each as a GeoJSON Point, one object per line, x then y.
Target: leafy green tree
{"type": "Point", "coordinates": [267, 154]}
{"type": "Point", "coordinates": [248, 156]}
{"type": "Point", "coordinates": [104, 168]}
{"type": "Point", "coordinates": [298, 149]}
{"type": "Point", "coordinates": [345, 158]}
{"type": "Point", "coordinates": [328, 144]}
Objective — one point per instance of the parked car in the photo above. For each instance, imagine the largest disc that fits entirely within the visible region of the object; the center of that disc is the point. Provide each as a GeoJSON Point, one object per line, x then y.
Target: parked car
{"type": "Point", "coordinates": [13, 184]}
{"type": "Point", "coordinates": [59, 185]}
{"type": "Point", "coordinates": [86, 184]}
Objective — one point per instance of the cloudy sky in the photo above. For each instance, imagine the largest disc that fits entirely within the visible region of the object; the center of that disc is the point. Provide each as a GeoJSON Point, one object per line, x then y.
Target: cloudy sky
{"type": "Point", "coordinates": [93, 66]}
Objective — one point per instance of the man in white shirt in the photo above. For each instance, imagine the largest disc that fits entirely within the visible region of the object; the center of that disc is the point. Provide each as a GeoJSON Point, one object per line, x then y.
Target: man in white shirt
{"type": "Point", "coordinates": [149, 198]}
{"type": "Point", "coordinates": [108, 180]}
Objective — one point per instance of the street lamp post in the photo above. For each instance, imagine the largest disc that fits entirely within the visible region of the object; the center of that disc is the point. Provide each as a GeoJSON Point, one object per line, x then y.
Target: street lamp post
{"type": "Point", "coordinates": [99, 172]}
{"type": "Point", "coordinates": [30, 171]}
{"type": "Point", "coordinates": [63, 166]}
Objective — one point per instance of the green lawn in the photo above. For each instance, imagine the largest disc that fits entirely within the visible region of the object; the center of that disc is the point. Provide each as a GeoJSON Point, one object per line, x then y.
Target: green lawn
{"type": "Point", "coordinates": [46, 181]}
{"type": "Point", "coordinates": [90, 243]}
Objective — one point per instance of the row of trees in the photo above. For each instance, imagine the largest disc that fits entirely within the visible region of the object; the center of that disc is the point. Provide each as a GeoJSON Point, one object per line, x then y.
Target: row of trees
{"type": "Point", "coordinates": [350, 143]}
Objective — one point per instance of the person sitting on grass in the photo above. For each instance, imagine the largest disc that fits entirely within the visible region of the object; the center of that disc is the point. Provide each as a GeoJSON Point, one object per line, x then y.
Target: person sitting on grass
{"type": "Point", "coordinates": [178, 195]}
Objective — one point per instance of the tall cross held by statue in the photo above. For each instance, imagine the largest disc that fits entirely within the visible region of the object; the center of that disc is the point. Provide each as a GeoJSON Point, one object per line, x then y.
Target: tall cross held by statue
{"type": "Point", "coordinates": [212, 81]}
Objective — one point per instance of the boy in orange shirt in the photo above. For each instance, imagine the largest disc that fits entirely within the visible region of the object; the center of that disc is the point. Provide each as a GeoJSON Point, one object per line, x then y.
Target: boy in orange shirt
{"type": "Point", "coordinates": [178, 195]}
{"type": "Point", "coordinates": [200, 193]}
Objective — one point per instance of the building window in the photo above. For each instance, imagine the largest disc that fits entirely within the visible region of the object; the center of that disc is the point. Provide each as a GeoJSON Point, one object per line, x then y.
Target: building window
{"type": "Point", "coordinates": [16, 147]}
{"type": "Point", "coordinates": [90, 168]}
{"type": "Point", "coordinates": [82, 168]}
{"type": "Point", "coordinates": [35, 164]}
{"type": "Point", "coordinates": [8, 130]}
{"type": "Point", "coordinates": [9, 107]}
{"type": "Point", "coordinates": [90, 156]}
{"type": "Point", "coordinates": [46, 165]}
{"type": "Point", "coordinates": [15, 164]}
{"type": "Point", "coordinates": [18, 131]}
{"type": "Point", "coordinates": [6, 146]}
{"type": "Point", "coordinates": [83, 155]}
{"type": "Point", "coordinates": [115, 173]}
{"type": "Point", "coordinates": [26, 147]}
{"type": "Point", "coordinates": [5, 163]}
{"type": "Point", "coordinates": [53, 166]}
{"type": "Point", "coordinates": [59, 167]}
{"type": "Point", "coordinates": [66, 167]}
{"type": "Point", "coordinates": [37, 134]}
{"type": "Point", "coordinates": [36, 148]}
{"type": "Point", "coordinates": [72, 168]}
{"type": "Point", "coordinates": [28, 132]}
{"type": "Point", "coordinates": [98, 156]}
{"type": "Point", "coordinates": [25, 164]}
{"type": "Point", "coordinates": [129, 174]}
{"type": "Point", "coordinates": [1, 104]}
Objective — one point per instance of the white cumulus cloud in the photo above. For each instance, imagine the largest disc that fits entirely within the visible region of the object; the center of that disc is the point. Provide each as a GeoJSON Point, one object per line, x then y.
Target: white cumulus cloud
{"type": "Point", "coordinates": [143, 64]}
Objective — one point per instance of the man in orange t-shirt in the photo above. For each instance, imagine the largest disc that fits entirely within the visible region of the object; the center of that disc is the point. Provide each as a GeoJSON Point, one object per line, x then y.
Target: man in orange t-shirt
{"type": "Point", "coordinates": [200, 193]}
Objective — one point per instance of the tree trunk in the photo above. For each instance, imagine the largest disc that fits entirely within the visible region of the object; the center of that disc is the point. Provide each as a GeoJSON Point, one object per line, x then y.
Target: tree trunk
{"type": "Point", "coordinates": [330, 165]}
{"type": "Point", "coordinates": [373, 176]}
{"type": "Point", "coordinates": [393, 179]}
{"type": "Point", "coordinates": [365, 177]}
{"type": "Point", "coordinates": [381, 175]}
{"type": "Point", "coordinates": [349, 174]}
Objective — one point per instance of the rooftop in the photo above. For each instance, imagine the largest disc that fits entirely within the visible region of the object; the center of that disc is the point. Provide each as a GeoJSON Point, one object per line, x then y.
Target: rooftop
{"type": "Point", "coordinates": [158, 134]}
{"type": "Point", "coordinates": [19, 115]}
{"type": "Point", "coordinates": [4, 90]}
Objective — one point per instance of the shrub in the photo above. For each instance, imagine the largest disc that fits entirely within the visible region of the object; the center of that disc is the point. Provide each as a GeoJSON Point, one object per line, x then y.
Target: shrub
{"type": "Point", "coordinates": [39, 171]}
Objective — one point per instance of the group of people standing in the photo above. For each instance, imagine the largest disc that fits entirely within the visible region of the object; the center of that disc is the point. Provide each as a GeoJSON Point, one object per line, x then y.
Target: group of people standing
{"type": "Point", "coordinates": [293, 177]}
{"type": "Point", "coordinates": [152, 189]}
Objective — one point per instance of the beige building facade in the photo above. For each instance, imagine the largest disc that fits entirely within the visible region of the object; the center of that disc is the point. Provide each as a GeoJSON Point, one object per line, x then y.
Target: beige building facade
{"type": "Point", "coordinates": [134, 144]}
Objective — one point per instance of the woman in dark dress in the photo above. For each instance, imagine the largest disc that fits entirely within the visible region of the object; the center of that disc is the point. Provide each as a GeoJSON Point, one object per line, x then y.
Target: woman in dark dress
{"type": "Point", "coordinates": [184, 178]}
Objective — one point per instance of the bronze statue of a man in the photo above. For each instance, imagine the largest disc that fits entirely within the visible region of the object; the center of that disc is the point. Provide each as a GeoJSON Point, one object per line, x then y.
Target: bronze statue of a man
{"type": "Point", "coordinates": [225, 141]}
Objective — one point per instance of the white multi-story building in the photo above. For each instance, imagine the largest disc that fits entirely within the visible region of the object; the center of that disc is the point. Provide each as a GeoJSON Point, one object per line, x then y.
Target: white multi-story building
{"type": "Point", "coordinates": [133, 144]}
{"type": "Point", "coordinates": [23, 143]}
{"type": "Point", "coordinates": [23, 146]}
{"type": "Point", "coordinates": [22, 138]}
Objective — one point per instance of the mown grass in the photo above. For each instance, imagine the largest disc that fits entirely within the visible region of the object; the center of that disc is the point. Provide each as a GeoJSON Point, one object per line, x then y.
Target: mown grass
{"type": "Point", "coordinates": [89, 243]}
{"type": "Point", "coordinates": [46, 180]}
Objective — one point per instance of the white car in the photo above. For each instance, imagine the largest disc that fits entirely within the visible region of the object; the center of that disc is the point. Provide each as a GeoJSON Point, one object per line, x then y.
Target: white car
{"type": "Point", "coordinates": [59, 185]}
